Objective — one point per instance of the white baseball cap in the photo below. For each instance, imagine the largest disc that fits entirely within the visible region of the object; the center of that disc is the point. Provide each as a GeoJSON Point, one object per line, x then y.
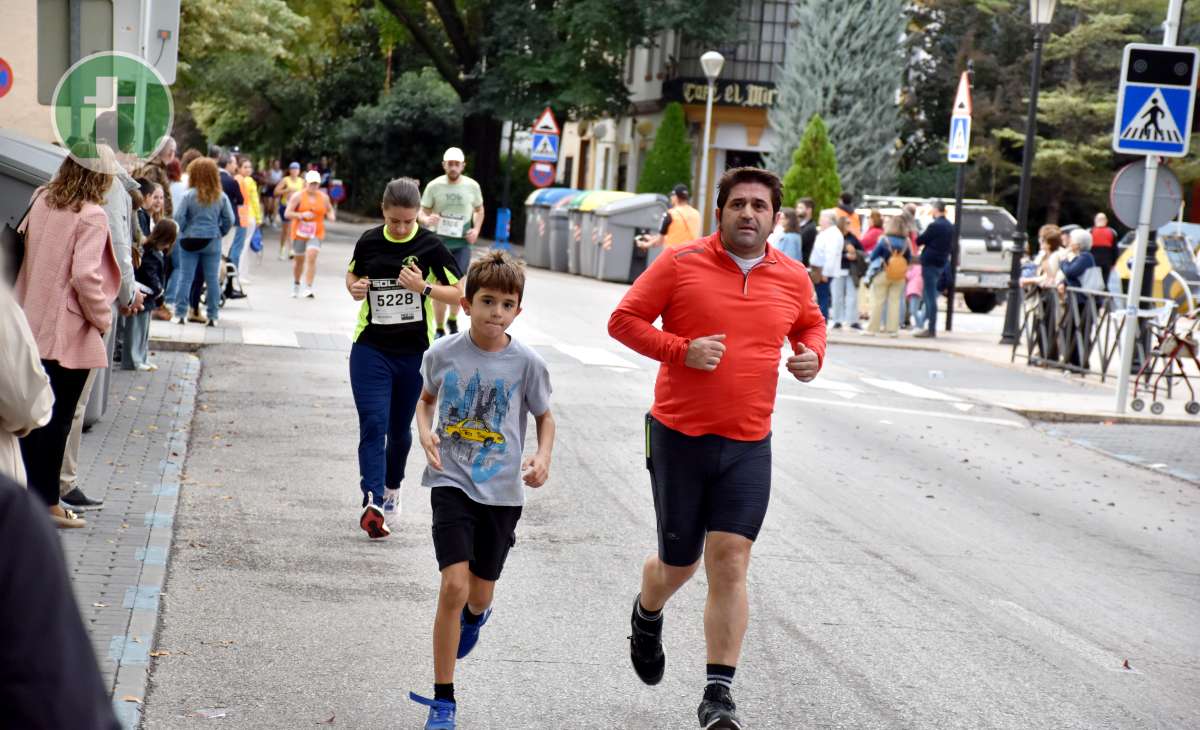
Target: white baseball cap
{"type": "Point", "coordinates": [454, 154]}
{"type": "Point", "coordinates": [312, 176]}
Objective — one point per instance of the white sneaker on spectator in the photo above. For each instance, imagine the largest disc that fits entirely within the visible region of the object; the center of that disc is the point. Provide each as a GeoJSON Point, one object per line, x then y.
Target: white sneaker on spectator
{"type": "Point", "coordinates": [295, 290]}
{"type": "Point", "coordinates": [391, 504]}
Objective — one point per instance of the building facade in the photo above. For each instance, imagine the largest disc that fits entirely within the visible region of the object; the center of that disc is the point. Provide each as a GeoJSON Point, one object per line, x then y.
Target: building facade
{"type": "Point", "coordinates": [609, 153]}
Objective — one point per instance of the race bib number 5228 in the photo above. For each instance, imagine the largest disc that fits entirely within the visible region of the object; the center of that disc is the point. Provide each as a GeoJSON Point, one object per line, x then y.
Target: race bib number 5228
{"type": "Point", "coordinates": [391, 303]}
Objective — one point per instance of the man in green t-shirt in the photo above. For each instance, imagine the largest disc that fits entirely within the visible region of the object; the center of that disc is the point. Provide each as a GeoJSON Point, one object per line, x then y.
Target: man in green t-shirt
{"type": "Point", "coordinates": [452, 207]}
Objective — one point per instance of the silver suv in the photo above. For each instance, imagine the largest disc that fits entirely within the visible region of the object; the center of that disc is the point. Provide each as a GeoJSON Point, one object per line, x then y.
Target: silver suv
{"type": "Point", "coordinates": [983, 263]}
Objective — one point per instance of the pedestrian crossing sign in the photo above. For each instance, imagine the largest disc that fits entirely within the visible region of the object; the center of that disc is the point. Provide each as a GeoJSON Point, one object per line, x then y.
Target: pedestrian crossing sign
{"type": "Point", "coordinates": [960, 139]}
{"type": "Point", "coordinates": [545, 147]}
{"type": "Point", "coordinates": [1156, 100]}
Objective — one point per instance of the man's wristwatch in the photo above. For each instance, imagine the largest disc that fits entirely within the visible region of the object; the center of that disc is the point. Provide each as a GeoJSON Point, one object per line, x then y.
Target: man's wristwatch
{"type": "Point", "coordinates": [427, 290]}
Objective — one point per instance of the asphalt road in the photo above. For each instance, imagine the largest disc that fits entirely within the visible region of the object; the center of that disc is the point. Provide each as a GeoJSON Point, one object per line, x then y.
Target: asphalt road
{"type": "Point", "coordinates": [927, 561]}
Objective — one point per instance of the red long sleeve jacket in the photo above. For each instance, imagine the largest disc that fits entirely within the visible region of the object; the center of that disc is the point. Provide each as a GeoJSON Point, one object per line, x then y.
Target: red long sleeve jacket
{"type": "Point", "coordinates": [698, 290]}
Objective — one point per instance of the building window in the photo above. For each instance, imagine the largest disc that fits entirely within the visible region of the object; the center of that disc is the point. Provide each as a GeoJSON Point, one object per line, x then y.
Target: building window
{"type": "Point", "coordinates": [756, 54]}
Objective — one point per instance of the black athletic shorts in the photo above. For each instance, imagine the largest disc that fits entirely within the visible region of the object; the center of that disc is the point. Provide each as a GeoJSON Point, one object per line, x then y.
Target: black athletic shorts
{"type": "Point", "coordinates": [705, 484]}
{"type": "Point", "coordinates": [465, 530]}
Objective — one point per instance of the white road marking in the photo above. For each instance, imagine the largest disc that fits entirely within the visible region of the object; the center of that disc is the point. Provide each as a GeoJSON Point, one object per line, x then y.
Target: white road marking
{"type": "Point", "coordinates": [269, 337]}
{"type": "Point", "coordinates": [1078, 644]}
{"type": "Point", "coordinates": [594, 356]}
{"type": "Point", "coordinates": [910, 411]}
{"type": "Point", "coordinates": [964, 407]}
{"type": "Point", "coordinates": [903, 388]}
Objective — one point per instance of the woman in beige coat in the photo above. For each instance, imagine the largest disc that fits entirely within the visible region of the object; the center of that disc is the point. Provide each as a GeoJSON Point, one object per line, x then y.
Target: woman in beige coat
{"type": "Point", "coordinates": [67, 284]}
{"type": "Point", "coordinates": [25, 396]}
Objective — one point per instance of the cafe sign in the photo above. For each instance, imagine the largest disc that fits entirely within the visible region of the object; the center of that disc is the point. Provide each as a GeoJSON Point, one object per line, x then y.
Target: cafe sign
{"type": "Point", "coordinates": [750, 94]}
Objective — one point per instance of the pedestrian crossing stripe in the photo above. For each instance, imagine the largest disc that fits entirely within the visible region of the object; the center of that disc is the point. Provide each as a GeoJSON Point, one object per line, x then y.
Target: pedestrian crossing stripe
{"type": "Point", "coordinates": [1153, 120]}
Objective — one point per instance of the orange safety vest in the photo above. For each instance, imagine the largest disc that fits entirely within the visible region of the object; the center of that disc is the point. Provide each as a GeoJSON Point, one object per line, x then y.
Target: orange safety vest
{"type": "Point", "coordinates": [684, 227]}
{"type": "Point", "coordinates": [318, 211]}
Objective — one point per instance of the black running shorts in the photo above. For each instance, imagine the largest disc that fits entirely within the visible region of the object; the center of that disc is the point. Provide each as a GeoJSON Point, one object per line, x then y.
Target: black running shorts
{"type": "Point", "coordinates": [705, 484]}
{"type": "Point", "coordinates": [466, 531]}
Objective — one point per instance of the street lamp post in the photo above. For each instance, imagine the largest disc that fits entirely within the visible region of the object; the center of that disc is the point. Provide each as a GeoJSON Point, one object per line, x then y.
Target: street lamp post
{"type": "Point", "coordinates": [712, 63]}
{"type": "Point", "coordinates": [1040, 14]}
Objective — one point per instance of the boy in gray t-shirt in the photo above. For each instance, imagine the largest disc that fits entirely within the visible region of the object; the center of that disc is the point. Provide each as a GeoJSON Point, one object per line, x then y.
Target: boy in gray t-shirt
{"type": "Point", "coordinates": [483, 384]}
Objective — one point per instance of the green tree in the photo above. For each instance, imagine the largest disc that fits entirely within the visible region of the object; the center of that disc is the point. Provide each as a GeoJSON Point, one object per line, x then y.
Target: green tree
{"type": "Point", "coordinates": [403, 134]}
{"type": "Point", "coordinates": [847, 68]}
{"type": "Point", "coordinates": [814, 170]}
{"type": "Point", "coordinates": [506, 59]}
{"type": "Point", "coordinates": [669, 159]}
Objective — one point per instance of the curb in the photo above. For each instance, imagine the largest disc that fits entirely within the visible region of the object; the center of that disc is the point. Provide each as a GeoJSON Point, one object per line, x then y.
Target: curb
{"type": "Point", "coordinates": [1043, 416]}
{"type": "Point", "coordinates": [133, 668]}
{"type": "Point", "coordinates": [175, 345]}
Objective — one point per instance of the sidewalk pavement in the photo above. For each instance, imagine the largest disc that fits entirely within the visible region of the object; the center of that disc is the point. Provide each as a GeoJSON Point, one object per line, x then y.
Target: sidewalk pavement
{"type": "Point", "coordinates": [1083, 399]}
{"type": "Point", "coordinates": [132, 459]}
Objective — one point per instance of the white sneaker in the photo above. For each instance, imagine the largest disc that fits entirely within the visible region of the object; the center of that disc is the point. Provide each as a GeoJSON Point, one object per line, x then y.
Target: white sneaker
{"type": "Point", "coordinates": [295, 290]}
{"type": "Point", "coordinates": [391, 504]}
{"type": "Point", "coordinates": [308, 293]}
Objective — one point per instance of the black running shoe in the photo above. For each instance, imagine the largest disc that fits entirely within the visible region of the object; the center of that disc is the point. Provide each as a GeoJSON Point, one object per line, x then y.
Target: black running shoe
{"type": "Point", "coordinates": [645, 650]}
{"type": "Point", "coordinates": [452, 326]}
{"type": "Point", "coordinates": [717, 710]}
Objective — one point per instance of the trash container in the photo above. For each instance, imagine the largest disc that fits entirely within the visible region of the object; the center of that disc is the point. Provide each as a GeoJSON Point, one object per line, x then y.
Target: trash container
{"type": "Point", "coordinates": [559, 234]}
{"type": "Point", "coordinates": [537, 224]}
{"type": "Point", "coordinates": [617, 224]}
{"type": "Point", "coordinates": [589, 239]}
{"type": "Point", "coordinates": [26, 163]}
{"type": "Point", "coordinates": [575, 229]}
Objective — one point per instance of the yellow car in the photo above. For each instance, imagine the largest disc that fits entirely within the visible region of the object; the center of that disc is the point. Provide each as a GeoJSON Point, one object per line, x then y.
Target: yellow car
{"type": "Point", "coordinates": [474, 430]}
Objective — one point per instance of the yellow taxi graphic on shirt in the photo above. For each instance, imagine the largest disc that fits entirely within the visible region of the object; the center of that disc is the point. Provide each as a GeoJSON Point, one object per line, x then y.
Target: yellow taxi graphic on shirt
{"type": "Point", "coordinates": [473, 429]}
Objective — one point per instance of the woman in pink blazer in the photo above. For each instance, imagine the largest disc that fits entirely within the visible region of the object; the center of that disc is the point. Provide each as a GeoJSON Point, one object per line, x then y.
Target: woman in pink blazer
{"type": "Point", "coordinates": [67, 284]}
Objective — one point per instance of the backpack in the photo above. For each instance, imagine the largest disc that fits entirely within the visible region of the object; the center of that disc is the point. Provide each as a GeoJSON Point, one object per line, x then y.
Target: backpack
{"type": "Point", "coordinates": [896, 266]}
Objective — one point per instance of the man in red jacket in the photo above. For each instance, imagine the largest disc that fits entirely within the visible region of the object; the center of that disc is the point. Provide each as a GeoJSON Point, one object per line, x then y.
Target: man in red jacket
{"type": "Point", "coordinates": [728, 303]}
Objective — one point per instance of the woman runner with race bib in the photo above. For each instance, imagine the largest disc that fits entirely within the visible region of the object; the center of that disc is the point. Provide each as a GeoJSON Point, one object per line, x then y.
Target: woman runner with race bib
{"type": "Point", "coordinates": [399, 269]}
{"type": "Point", "coordinates": [308, 210]}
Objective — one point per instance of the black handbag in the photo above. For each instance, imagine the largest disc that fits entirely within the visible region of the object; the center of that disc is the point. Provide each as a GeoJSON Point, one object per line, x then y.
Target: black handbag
{"type": "Point", "coordinates": [192, 245]}
{"type": "Point", "coordinates": [12, 245]}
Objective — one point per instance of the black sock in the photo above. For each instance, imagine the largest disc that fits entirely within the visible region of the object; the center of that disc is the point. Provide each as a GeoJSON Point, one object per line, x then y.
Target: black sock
{"type": "Point", "coordinates": [721, 674]}
{"type": "Point", "coordinates": [444, 692]}
{"type": "Point", "coordinates": [469, 617]}
{"type": "Point", "coordinates": [646, 619]}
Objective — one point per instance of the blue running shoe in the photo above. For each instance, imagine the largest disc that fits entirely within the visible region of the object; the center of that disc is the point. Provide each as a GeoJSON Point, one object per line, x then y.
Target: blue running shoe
{"type": "Point", "coordinates": [441, 712]}
{"type": "Point", "coordinates": [469, 635]}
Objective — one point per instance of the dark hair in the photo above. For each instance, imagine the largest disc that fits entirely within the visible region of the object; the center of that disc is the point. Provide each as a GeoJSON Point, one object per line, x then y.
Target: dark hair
{"type": "Point", "coordinates": [876, 219]}
{"type": "Point", "coordinates": [496, 270]}
{"type": "Point", "coordinates": [175, 170]}
{"type": "Point", "coordinates": [403, 192]}
{"type": "Point", "coordinates": [809, 204]}
{"type": "Point", "coordinates": [223, 159]}
{"type": "Point", "coordinates": [190, 154]}
{"type": "Point", "coordinates": [791, 221]}
{"type": "Point", "coordinates": [846, 198]}
{"type": "Point", "coordinates": [162, 238]}
{"type": "Point", "coordinates": [750, 174]}
{"type": "Point", "coordinates": [147, 187]}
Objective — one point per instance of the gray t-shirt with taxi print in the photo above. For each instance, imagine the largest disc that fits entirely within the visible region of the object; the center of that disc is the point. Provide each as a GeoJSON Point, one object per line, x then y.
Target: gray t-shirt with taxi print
{"type": "Point", "coordinates": [484, 399]}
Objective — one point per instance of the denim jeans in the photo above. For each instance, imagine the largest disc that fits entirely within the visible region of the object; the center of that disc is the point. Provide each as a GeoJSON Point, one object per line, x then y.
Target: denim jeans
{"type": "Point", "coordinates": [931, 275]}
{"type": "Point", "coordinates": [823, 298]}
{"type": "Point", "coordinates": [172, 290]}
{"type": "Point", "coordinates": [386, 388]}
{"type": "Point", "coordinates": [241, 235]}
{"type": "Point", "coordinates": [915, 311]}
{"type": "Point", "coordinates": [135, 339]}
{"type": "Point", "coordinates": [209, 261]}
{"type": "Point", "coordinates": [845, 300]}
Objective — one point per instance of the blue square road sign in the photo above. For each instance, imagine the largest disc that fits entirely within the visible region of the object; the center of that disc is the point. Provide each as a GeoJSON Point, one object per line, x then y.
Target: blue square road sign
{"type": "Point", "coordinates": [545, 147]}
{"type": "Point", "coordinates": [1155, 100]}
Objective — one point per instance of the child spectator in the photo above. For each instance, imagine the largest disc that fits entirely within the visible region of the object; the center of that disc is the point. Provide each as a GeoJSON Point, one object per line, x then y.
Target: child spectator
{"type": "Point", "coordinates": [135, 348]}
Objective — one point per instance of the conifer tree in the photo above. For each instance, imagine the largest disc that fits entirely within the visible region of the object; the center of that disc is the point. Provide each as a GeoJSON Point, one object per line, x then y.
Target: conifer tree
{"type": "Point", "coordinates": [814, 170]}
{"type": "Point", "coordinates": [669, 159]}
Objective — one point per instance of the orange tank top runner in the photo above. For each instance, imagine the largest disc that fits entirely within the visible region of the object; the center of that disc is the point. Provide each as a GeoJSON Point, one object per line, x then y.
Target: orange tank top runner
{"type": "Point", "coordinates": [314, 204]}
{"type": "Point", "coordinates": [685, 226]}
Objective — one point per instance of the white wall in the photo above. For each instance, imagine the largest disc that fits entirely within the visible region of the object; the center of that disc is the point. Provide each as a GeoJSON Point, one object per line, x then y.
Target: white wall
{"type": "Point", "coordinates": [19, 109]}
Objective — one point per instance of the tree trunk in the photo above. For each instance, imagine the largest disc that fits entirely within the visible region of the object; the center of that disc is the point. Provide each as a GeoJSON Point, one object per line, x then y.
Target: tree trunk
{"type": "Point", "coordinates": [481, 136]}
